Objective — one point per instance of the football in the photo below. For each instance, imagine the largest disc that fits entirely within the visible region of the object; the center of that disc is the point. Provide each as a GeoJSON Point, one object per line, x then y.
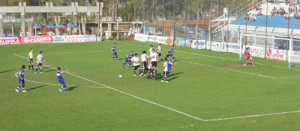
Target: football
{"type": "Point", "coordinates": [120, 76]}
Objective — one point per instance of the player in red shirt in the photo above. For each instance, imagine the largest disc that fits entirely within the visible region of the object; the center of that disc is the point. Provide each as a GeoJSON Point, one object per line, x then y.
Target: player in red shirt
{"type": "Point", "coordinates": [248, 56]}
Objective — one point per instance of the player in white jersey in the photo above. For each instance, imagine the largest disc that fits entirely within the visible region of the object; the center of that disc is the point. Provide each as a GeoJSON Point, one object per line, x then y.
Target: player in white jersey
{"type": "Point", "coordinates": [165, 71]}
{"type": "Point", "coordinates": [154, 60]}
{"type": "Point", "coordinates": [159, 51]}
{"type": "Point", "coordinates": [150, 71]}
{"type": "Point", "coordinates": [39, 62]}
{"type": "Point", "coordinates": [150, 50]}
{"type": "Point", "coordinates": [144, 59]}
{"type": "Point", "coordinates": [136, 63]}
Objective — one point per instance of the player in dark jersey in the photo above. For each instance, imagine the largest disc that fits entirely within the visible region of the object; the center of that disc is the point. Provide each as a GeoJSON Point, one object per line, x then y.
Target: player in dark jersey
{"type": "Point", "coordinates": [60, 79]}
{"type": "Point", "coordinates": [128, 59]}
{"type": "Point", "coordinates": [21, 79]}
{"type": "Point", "coordinates": [114, 52]}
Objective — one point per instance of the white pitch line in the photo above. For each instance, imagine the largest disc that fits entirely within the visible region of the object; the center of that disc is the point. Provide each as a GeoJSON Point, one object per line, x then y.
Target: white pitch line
{"type": "Point", "coordinates": [251, 116]}
{"type": "Point", "coordinates": [261, 75]}
{"type": "Point", "coordinates": [172, 109]}
{"type": "Point", "coordinates": [218, 57]}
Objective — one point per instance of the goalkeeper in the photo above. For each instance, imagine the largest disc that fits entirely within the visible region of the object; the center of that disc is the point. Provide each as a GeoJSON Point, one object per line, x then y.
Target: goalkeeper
{"type": "Point", "coordinates": [248, 57]}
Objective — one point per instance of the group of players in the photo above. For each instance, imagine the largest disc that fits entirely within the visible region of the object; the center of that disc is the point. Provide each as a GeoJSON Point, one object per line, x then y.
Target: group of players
{"type": "Point", "coordinates": [39, 65]}
{"type": "Point", "coordinates": [149, 62]}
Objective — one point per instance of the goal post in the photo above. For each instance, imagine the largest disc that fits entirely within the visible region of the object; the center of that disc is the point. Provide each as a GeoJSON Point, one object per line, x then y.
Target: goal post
{"type": "Point", "coordinates": [280, 48]}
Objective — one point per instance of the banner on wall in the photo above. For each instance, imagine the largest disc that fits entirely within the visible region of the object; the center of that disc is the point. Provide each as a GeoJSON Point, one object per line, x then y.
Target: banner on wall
{"type": "Point", "coordinates": [10, 40]}
{"type": "Point", "coordinates": [233, 47]}
{"type": "Point", "coordinates": [36, 39]}
{"type": "Point", "coordinates": [276, 54]}
{"type": "Point", "coordinates": [152, 39]}
{"type": "Point", "coordinates": [165, 40]}
{"type": "Point", "coordinates": [295, 56]}
{"type": "Point", "coordinates": [198, 44]}
{"type": "Point", "coordinates": [182, 42]}
{"type": "Point", "coordinates": [74, 38]}
{"type": "Point", "coordinates": [218, 46]}
{"type": "Point", "coordinates": [256, 51]}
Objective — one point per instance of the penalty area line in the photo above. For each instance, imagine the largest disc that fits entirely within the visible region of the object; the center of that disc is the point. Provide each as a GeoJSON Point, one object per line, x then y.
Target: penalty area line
{"type": "Point", "coordinates": [174, 110]}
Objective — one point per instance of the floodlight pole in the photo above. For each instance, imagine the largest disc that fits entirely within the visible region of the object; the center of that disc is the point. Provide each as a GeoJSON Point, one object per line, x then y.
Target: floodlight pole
{"type": "Point", "coordinates": [266, 33]}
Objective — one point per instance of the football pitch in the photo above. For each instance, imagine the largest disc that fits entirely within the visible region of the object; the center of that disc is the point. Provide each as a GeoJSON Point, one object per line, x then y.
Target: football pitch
{"type": "Point", "coordinates": [206, 91]}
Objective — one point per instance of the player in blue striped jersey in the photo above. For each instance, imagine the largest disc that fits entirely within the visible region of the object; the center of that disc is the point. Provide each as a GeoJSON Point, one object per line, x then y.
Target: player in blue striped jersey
{"type": "Point", "coordinates": [60, 79]}
{"type": "Point", "coordinates": [21, 79]}
{"type": "Point", "coordinates": [114, 52]}
{"type": "Point", "coordinates": [170, 65]}
{"type": "Point", "coordinates": [128, 59]}
{"type": "Point", "coordinates": [170, 52]}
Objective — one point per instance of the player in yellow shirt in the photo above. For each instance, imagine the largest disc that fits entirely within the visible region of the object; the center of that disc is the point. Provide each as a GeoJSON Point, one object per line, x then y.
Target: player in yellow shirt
{"type": "Point", "coordinates": [30, 59]}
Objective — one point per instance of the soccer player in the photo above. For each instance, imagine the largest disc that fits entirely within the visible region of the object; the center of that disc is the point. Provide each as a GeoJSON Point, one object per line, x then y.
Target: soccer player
{"type": "Point", "coordinates": [128, 59]}
{"type": "Point", "coordinates": [154, 60]}
{"type": "Point", "coordinates": [170, 52]}
{"type": "Point", "coordinates": [144, 59]}
{"type": "Point", "coordinates": [39, 62]}
{"type": "Point", "coordinates": [150, 50]}
{"type": "Point", "coordinates": [21, 79]}
{"type": "Point", "coordinates": [114, 52]}
{"type": "Point", "coordinates": [30, 59]}
{"type": "Point", "coordinates": [170, 65]}
{"type": "Point", "coordinates": [159, 51]}
{"type": "Point", "coordinates": [248, 56]}
{"type": "Point", "coordinates": [165, 71]}
{"type": "Point", "coordinates": [60, 79]}
{"type": "Point", "coordinates": [136, 63]}
{"type": "Point", "coordinates": [150, 71]}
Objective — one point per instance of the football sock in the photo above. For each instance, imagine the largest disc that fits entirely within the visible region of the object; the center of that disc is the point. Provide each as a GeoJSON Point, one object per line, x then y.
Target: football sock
{"type": "Point", "coordinates": [29, 67]}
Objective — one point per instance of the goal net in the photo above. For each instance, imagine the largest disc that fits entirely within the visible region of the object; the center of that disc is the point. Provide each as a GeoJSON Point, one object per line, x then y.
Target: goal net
{"type": "Point", "coordinates": [274, 47]}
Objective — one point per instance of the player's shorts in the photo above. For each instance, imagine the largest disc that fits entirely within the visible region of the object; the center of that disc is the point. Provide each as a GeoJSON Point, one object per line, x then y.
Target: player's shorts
{"type": "Point", "coordinates": [21, 81]}
{"type": "Point", "coordinates": [39, 64]}
{"type": "Point", "coordinates": [115, 53]}
{"type": "Point", "coordinates": [248, 57]}
{"type": "Point", "coordinates": [169, 54]}
{"type": "Point", "coordinates": [30, 60]}
{"type": "Point", "coordinates": [150, 70]}
{"type": "Point", "coordinates": [154, 64]}
{"type": "Point", "coordinates": [158, 53]}
{"type": "Point", "coordinates": [63, 83]}
{"type": "Point", "coordinates": [136, 67]}
{"type": "Point", "coordinates": [165, 73]}
{"type": "Point", "coordinates": [145, 64]}
{"type": "Point", "coordinates": [127, 61]}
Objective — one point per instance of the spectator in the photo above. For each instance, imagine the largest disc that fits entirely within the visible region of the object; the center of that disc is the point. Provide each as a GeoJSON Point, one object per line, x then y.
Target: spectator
{"type": "Point", "coordinates": [120, 34]}
{"type": "Point", "coordinates": [21, 33]}
{"type": "Point", "coordinates": [106, 34]}
{"type": "Point", "coordinates": [8, 34]}
{"type": "Point", "coordinates": [28, 33]}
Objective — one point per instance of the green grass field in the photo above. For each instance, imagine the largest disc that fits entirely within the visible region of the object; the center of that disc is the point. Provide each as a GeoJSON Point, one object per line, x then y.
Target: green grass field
{"type": "Point", "coordinates": [207, 91]}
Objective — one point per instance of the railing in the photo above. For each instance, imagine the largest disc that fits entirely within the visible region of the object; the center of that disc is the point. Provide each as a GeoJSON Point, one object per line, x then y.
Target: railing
{"type": "Point", "coordinates": [225, 19]}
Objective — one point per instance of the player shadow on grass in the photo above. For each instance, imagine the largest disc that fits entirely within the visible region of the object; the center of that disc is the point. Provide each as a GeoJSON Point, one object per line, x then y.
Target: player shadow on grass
{"type": "Point", "coordinates": [33, 88]}
{"type": "Point", "coordinates": [7, 70]}
{"type": "Point", "coordinates": [72, 87]}
{"type": "Point", "coordinates": [50, 70]}
{"type": "Point", "coordinates": [170, 78]}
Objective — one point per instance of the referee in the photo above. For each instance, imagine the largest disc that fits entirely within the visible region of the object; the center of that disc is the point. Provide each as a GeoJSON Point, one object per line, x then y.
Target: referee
{"type": "Point", "coordinates": [30, 59]}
